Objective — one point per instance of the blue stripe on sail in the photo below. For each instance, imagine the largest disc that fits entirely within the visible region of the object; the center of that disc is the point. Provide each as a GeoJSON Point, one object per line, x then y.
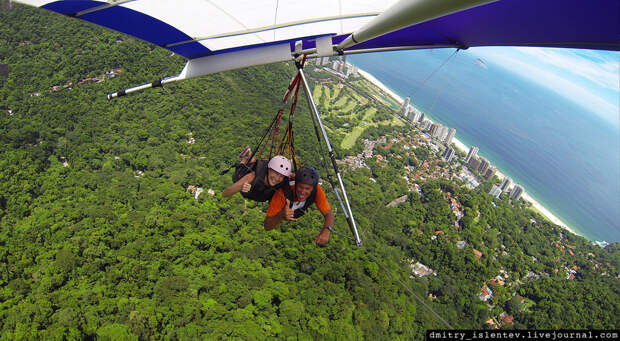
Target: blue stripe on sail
{"type": "Point", "coordinates": [133, 23]}
{"type": "Point", "coordinates": [70, 7]}
{"type": "Point", "coordinates": [566, 23]}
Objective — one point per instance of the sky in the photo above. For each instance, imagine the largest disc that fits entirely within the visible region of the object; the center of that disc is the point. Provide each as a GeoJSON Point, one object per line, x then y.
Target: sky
{"type": "Point", "coordinates": [590, 78]}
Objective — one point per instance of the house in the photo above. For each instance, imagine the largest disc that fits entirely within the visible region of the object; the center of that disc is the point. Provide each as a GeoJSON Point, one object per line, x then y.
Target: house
{"type": "Point", "coordinates": [461, 244]}
{"type": "Point", "coordinates": [531, 274]}
{"type": "Point", "coordinates": [486, 294]}
{"type": "Point", "coordinates": [507, 319]}
{"type": "Point", "coordinates": [397, 201]}
{"type": "Point", "coordinates": [88, 80]}
{"type": "Point", "coordinates": [477, 253]}
{"type": "Point", "coordinates": [420, 270]}
{"type": "Point", "coordinates": [493, 281]}
{"type": "Point", "coordinates": [196, 191]}
{"type": "Point", "coordinates": [490, 322]}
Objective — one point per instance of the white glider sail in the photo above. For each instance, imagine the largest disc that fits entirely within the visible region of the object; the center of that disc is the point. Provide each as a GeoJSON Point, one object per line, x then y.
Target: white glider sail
{"type": "Point", "coordinates": [218, 35]}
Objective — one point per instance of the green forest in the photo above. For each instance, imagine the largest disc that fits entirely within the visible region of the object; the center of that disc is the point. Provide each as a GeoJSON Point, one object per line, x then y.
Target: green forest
{"type": "Point", "coordinates": [100, 238]}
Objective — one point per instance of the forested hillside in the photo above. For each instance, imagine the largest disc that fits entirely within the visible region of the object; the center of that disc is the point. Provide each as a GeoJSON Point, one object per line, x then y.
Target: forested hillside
{"type": "Point", "coordinates": [99, 237]}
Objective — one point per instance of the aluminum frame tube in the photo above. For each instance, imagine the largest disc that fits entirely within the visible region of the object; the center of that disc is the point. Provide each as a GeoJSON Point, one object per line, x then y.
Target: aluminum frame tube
{"type": "Point", "coordinates": [315, 111]}
{"type": "Point", "coordinates": [158, 83]}
{"type": "Point", "coordinates": [406, 13]}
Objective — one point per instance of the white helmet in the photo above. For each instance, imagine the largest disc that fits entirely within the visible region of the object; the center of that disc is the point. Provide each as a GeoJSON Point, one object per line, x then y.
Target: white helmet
{"type": "Point", "coordinates": [280, 164]}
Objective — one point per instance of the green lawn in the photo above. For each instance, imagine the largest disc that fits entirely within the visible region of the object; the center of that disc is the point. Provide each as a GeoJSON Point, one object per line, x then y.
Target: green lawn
{"type": "Point", "coordinates": [342, 101]}
{"type": "Point", "coordinates": [317, 92]}
{"type": "Point", "coordinates": [326, 93]}
{"type": "Point", "coordinates": [351, 137]}
{"type": "Point", "coordinates": [347, 102]}
{"type": "Point", "coordinates": [336, 90]}
{"type": "Point", "coordinates": [350, 106]}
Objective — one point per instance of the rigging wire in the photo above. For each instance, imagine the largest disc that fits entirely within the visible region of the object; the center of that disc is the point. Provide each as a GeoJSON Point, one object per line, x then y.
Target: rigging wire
{"type": "Point", "coordinates": [443, 88]}
{"type": "Point", "coordinates": [434, 72]}
{"type": "Point", "coordinates": [275, 19]}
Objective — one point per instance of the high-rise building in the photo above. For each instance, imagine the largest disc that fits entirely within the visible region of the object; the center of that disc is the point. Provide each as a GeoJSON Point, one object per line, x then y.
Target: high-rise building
{"type": "Point", "coordinates": [473, 151]}
{"type": "Point", "coordinates": [442, 133]}
{"type": "Point", "coordinates": [415, 115]}
{"type": "Point", "coordinates": [474, 163]}
{"type": "Point", "coordinates": [450, 136]}
{"type": "Point", "coordinates": [433, 130]}
{"type": "Point", "coordinates": [448, 154]}
{"type": "Point", "coordinates": [422, 117]}
{"type": "Point", "coordinates": [506, 183]}
{"type": "Point", "coordinates": [347, 70]}
{"type": "Point", "coordinates": [405, 107]}
{"type": "Point", "coordinates": [495, 191]}
{"type": "Point", "coordinates": [516, 193]}
{"type": "Point", "coordinates": [490, 173]}
{"type": "Point", "coordinates": [410, 113]}
{"type": "Point", "coordinates": [405, 111]}
{"type": "Point", "coordinates": [484, 165]}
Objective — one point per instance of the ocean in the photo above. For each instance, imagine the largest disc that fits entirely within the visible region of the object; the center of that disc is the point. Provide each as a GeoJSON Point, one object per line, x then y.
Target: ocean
{"type": "Point", "coordinates": [566, 158]}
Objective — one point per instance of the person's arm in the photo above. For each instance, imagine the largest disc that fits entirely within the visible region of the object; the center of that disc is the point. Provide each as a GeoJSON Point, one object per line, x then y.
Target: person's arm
{"type": "Point", "coordinates": [285, 213]}
{"type": "Point", "coordinates": [323, 237]}
{"type": "Point", "coordinates": [271, 222]}
{"type": "Point", "coordinates": [239, 185]}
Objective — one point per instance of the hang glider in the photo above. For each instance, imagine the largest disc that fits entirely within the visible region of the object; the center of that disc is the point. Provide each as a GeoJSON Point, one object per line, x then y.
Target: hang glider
{"type": "Point", "coordinates": [219, 35]}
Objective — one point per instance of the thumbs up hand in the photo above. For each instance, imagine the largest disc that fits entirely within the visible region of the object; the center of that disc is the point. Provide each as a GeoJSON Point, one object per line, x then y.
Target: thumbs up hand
{"type": "Point", "coordinates": [289, 214]}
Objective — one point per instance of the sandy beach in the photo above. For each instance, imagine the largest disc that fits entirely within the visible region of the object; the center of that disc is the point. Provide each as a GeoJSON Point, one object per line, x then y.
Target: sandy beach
{"type": "Point", "coordinates": [462, 147]}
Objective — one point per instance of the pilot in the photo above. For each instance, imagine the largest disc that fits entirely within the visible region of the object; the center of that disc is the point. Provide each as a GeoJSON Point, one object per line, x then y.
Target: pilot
{"type": "Point", "coordinates": [292, 204]}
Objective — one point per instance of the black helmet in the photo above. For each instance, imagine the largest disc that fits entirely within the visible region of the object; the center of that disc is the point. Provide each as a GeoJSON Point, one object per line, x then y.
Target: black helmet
{"type": "Point", "coordinates": [307, 175]}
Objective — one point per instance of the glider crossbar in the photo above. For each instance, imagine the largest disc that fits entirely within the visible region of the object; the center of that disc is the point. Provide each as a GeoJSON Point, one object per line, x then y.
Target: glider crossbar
{"type": "Point", "coordinates": [155, 84]}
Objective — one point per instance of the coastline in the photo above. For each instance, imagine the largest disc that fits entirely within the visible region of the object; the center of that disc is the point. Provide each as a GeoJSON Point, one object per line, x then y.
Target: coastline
{"type": "Point", "coordinates": [462, 147]}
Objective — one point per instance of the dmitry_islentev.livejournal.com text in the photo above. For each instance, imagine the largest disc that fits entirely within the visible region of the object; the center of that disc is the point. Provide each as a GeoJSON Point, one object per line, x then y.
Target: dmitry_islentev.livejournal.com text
{"type": "Point", "coordinates": [432, 335]}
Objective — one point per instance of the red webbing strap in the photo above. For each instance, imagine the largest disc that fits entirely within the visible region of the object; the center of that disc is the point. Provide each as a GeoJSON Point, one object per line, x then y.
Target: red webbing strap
{"type": "Point", "coordinates": [284, 146]}
{"type": "Point", "coordinates": [293, 84]}
{"type": "Point", "coordinates": [271, 132]}
{"type": "Point", "coordinates": [275, 135]}
{"type": "Point", "coordinates": [297, 83]}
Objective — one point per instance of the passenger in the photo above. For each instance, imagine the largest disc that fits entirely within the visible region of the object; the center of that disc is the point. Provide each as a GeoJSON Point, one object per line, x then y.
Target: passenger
{"type": "Point", "coordinates": [260, 179]}
{"type": "Point", "coordinates": [303, 194]}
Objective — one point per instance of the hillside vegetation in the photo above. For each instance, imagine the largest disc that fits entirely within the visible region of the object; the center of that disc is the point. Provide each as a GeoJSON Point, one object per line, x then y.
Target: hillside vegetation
{"type": "Point", "coordinates": [99, 237]}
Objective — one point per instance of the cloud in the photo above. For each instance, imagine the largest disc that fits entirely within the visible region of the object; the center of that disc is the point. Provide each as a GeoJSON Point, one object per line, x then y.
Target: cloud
{"type": "Point", "coordinates": [599, 67]}
{"type": "Point", "coordinates": [588, 78]}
